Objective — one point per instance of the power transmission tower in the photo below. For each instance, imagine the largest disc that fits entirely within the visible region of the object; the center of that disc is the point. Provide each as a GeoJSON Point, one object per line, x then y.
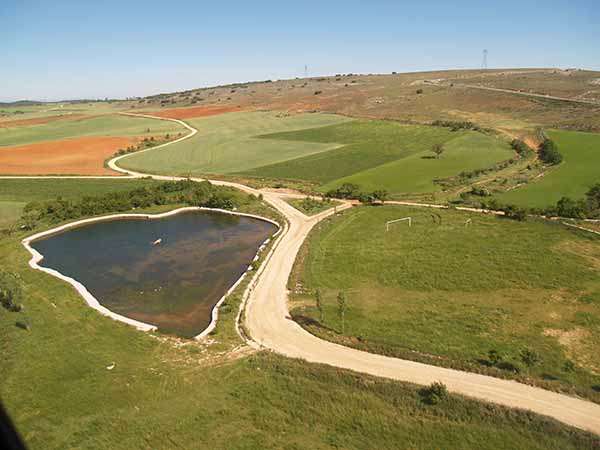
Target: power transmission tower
{"type": "Point", "coordinates": [305, 71]}
{"type": "Point", "coordinates": [484, 62]}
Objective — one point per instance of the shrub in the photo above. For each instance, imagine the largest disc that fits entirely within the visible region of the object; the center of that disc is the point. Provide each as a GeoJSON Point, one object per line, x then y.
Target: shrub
{"type": "Point", "coordinates": [419, 91]}
{"type": "Point", "coordinates": [10, 292]}
{"type": "Point", "coordinates": [435, 393]}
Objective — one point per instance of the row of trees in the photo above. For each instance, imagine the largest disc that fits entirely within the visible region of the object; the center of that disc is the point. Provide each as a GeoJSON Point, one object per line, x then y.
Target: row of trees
{"type": "Point", "coordinates": [342, 307]}
{"type": "Point", "coordinates": [457, 125]}
{"type": "Point", "coordinates": [352, 191]}
{"type": "Point", "coordinates": [173, 192]}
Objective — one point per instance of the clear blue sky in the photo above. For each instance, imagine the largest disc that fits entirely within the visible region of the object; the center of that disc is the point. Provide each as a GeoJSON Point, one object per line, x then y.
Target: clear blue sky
{"type": "Point", "coordinates": [57, 49]}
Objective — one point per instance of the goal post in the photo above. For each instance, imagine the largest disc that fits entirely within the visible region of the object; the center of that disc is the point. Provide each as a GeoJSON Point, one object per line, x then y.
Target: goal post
{"type": "Point", "coordinates": [390, 222]}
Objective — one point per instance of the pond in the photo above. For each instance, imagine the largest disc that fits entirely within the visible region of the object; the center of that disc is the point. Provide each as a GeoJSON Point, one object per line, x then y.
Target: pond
{"type": "Point", "coordinates": [173, 284]}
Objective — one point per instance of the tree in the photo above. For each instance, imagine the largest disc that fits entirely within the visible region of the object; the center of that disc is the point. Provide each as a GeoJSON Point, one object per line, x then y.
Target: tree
{"type": "Point", "coordinates": [342, 307]}
{"type": "Point", "coordinates": [529, 357]}
{"type": "Point", "coordinates": [319, 302]}
{"type": "Point", "coordinates": [438, 149]}
{"type": "Point", "coordinates": [567, 207]}
{"type": "Point", "coordinates": [549, 152]}
{"type": "Point", "coordinates": [381, 195]}
{"type": "Point", "coordinates": [593, 199]}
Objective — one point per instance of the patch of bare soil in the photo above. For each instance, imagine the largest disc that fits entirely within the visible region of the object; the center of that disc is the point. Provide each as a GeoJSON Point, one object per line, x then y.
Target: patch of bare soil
{"type": "Point", "coordinates": [575, 343]}
{"type": "Point", "coordinates": [79, 156]}
{"type": "Point", "coordinates": [199, 111]}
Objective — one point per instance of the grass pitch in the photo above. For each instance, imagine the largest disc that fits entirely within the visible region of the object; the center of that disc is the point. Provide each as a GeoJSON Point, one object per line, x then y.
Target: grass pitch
{"type": "Point", "coordinates": [448, 294]}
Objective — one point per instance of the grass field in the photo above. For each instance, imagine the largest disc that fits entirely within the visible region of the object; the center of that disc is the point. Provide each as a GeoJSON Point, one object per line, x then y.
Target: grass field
{"type": "Point", "coordinates": [386, 155]}
{"type": "Point", "coordinates": [104, 125]}
{"type": "Point", "coordinates": [447, 294]}
{"type": "Point", "coordinates": [579, 170]}
{"type": "Point", "coordinates": [15, 193]}
{"type": "Point", "coordinates": [164, 393]}
{"type": "Point", "coordinates": [227, 143]}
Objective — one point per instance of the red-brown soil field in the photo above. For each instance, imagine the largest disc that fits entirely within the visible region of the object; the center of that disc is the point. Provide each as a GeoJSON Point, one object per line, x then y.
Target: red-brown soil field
{"type": "Point", "coordinates": [199, 111]}
{"type": "Point", "coordinates": [79, 156]}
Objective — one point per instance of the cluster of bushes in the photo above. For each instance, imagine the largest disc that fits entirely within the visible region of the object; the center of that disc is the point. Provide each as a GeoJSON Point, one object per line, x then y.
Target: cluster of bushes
{"type": "Point", "coordinates": [10, 292]}
{"type": "Point", "coordinates": [465, 176]}
{"type": "Point", "coordinates": [528, 357]}
{"type": "Point", "coordinates": [520, 147]}
{"type": "Point", "coordinates": [173, 192]}
{"type": "Point", "coordinates": [457, 125]}
{"type": "Point", "coordinates": [147, 142]}
{"type": "Point", "coordinates": [587, 208]}
{"type": "Point", "coordinates": [353, 191]}
{"type": "Point", "coordinates": [477, 191]}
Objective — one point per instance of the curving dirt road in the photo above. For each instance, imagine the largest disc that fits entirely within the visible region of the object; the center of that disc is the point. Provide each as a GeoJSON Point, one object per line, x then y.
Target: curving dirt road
{"type": "Point", "coordinates": [269, 326]}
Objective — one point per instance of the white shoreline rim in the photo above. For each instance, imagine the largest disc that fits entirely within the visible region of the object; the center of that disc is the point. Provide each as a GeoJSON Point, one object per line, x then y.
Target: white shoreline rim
{"type": "Point", "coordinates": [37, 257]}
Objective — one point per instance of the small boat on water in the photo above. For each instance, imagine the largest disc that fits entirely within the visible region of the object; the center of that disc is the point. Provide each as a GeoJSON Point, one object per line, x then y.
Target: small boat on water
{"type": "Point", "coordinates": [158, 241]}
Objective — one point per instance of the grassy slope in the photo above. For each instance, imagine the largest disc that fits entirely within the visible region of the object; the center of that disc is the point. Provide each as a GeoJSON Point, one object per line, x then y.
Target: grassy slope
{"type": "Point", "coordinates": [572, 178]}
{"type": "Point", "coordinates": [452, 293]}
{"type": "Point", "coordinates": [15, 194]}
{"type": "Point", "coordinates": [54, 381]}
{"type": "Point", "coordinates": [161, 394]}
{"type": "Point", "coordinates": [386, 155]}
{"type": "Point", "coordinates": [105, 125]}
{"type": "Point", "coordinates": [416, 173]}
{"type": "Point", "coordinates": [226, 143]}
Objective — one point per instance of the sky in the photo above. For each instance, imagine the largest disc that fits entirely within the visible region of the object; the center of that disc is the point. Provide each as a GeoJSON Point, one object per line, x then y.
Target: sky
{"type": "Point", "coordinates": [58, 50]}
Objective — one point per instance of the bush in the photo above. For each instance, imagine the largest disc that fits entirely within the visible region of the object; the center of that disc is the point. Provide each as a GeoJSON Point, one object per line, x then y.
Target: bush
{"type": "Point", "coordinates": [10, 292]}
{"type": "Point", "coordinates": [520, 147]}
{"type": "Point", "coordinates": [435, 393]}
{"type": "Point", "coordinates": [419, 91]}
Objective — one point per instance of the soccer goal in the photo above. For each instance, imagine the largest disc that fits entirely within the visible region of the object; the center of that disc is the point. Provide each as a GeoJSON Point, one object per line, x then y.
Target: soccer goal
{"type": "Point", "coordinates": [408, 219]}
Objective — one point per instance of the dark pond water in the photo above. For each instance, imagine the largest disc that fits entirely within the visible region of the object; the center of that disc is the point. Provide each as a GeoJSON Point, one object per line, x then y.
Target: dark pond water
{"type": "Point", "coordinates": [173, 285]}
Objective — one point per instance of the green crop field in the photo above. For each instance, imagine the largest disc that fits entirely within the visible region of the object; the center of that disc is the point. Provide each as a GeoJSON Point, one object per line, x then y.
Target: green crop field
{"type": "Point", "coordinates": [16, 193]}
{"type": "Point", "coordinates": [56, 383]}
{"type": "Point", "coordinates": [105, 125]}
{"type": "Point", "coordinates": [579, 170]}
{"type": "Point", "coordinates": [228, 143]}
{"type": "Point", "coordinates": [386, 155]}
{"type": "Point", "coordinates": [448, 294]}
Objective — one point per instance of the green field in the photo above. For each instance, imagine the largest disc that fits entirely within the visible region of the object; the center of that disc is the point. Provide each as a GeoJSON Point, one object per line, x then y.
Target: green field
{"type": "Point", "coordinates": [228, 143]}
{"type": "Point", "coordinates": [104, 125]}
{"type": "Point", "coordinates": [579, 170]}
{"type": "Point", "coordinates": [448, 294]}
{"type": "Point", "coordinates": [386, 155]}
{"type": "Point", "coordinates": [55, 383]}
{"type": "Point", "coordinates": [16, 193]}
